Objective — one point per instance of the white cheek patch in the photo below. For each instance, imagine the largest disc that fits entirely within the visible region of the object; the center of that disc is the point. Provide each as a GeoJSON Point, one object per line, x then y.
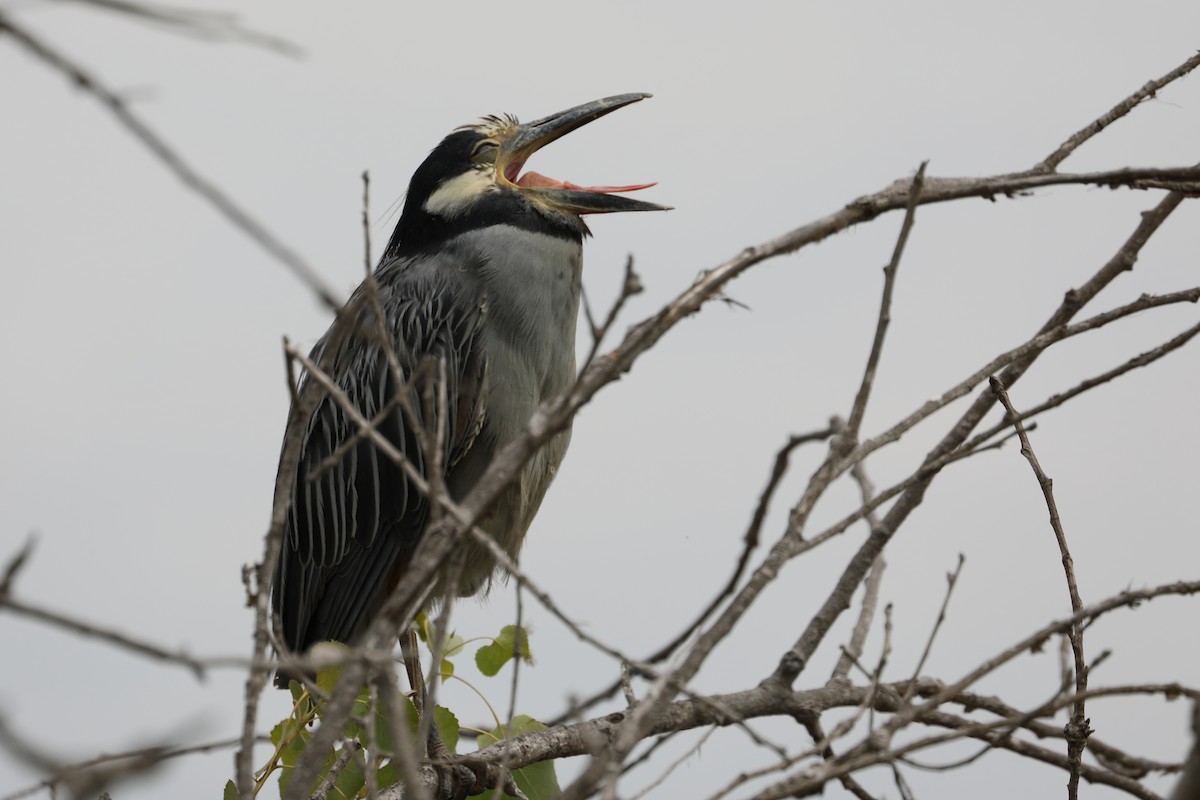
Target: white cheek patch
{"type": "Point", "coordinates": [459, 193]}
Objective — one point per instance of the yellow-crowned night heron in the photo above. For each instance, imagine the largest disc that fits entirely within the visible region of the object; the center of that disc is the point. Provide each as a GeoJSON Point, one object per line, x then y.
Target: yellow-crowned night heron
{"type": "Point", "coordinates": [482, 274]}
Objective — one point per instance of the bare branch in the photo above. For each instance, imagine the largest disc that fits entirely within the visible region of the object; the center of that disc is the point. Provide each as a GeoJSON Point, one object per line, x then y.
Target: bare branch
{"type": "Point", "coordinates": [630, 286]}
{"type": "Point", "coordinates": [198, 666]}
{"type": "Point", "coordinates": [142, 757]}
{"type": "Point", "coordinates": [996, 733]}
{"type": "Point", "coordinates": [611, 739]}
{"type": "Point", "coordinates": [1188, 786]}
{"type": "Point", "coordinates": [349, 749]}
{"type": "Point", "coordinates": [554, 416]}
{"type": "Point", "coordinates": [750, 540]}
{"type": "Point", "coordinates": [1078, 729]}
{"type": "Point", "coordinates": [885, 306]}
{"type": "Point", "coordinates": [1141, 360]}
{"type": "Point", "coordinates": [839, 599]}
{"type": "Point", "coordinates": [14, 566]}
{"type": "Point", "coordinates": [304, 403]}
{"type": "Point", "coordinates": [365, 427]}
{"type": "Point", "coordinates": [858, 636]}
{"type": "Point", "coordinates": [1111, 757]}
{"type": "Point", "coordinates": [210, 25]}
{"type": "Point", "coordinates": [1051, 162]}
{"type": "Point", "coordinates": [951, 581]}
{"type": "Point", "coordinates": [767, 699]}
{"type": "Point", "coordinates": [173, 161]}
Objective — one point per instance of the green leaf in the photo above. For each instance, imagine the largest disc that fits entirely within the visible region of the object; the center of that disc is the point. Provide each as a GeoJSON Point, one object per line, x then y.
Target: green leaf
{"type": "Point", "coordinates": [447, 725]}
{"type": "Point", "coordinates": [454, 645]}
{"type": "Point", "coordinates": [512, 640]}
{"type": "Point", "coordinates": [352, 774]}
{"type": "Point", "coordinates": [387, 775]}
{"type": "Point", "coordinates": [295, 743]}
{"type": "Point", "coordinates": [231, 792]}
{"type": "Point", "coordinates": [327, 679]}
{"type": "Point", "coordinates": [428, 633]}
{"type": "Point", "coordinates": [360, 710]}
{"type": "Point", "coordinates": [383, 726]}
{"type": "Point", "coordinates": [291, 751]}
{"type": "Point", "coordinates": [538, 781]}
{"type": "Point", "coordinates": [352, 778]}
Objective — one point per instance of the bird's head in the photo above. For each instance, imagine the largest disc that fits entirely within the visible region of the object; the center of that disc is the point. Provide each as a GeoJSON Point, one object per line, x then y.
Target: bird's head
{"type": "Point", "coordinates": [473, 179]}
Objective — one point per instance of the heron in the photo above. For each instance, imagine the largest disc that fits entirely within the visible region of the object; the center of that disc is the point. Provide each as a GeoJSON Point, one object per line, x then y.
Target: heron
{"type": "Point", "coordinates": [480, 277]}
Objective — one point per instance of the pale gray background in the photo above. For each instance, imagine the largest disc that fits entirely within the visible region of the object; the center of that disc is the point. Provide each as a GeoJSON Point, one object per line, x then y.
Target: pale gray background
{"type": "Point", "coordinates": [144, 392]}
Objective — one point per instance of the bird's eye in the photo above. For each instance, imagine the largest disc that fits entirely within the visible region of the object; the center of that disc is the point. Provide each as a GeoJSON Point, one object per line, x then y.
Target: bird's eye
{"type": "Point", "coordinates": [484, 153]}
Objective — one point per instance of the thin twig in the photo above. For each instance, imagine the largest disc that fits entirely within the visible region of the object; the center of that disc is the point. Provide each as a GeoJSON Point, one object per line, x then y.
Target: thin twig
{"type": "Point", "coordinates": [1018, 362]}
{"type": "Point", "coordinates": [1019, 356]}
{"type": "Point", "coordinates": [305, 401]}
{"type": "Point", "coordinates": [642, 668]}
{"type": "Point", "coordinates": [198, 666]}
{"type": "Point", "coordinates": [1128, 597]}
{"type": "Point", "coordinates": [859, 407]}
{"type": "Point", "coordinates": [1188, 785]}
{"type": "Point", "coordinates": [194, 22]}
{"type": "Point", "coordinates": [951, 581]}
{"type": "Point", "coordinates": [874, 580]}
{"type": "Point", "coordinates": [815, 730]}
{"type": "Point", "coordinates": [368, 262]}
{"type": "Point", "coordinates": [364, 425]}
{"type": "Point", "coordinates": [173, 161]}
{"type": "Point", "coordinates": [1051, 162]}
{"type": "Point", "coordinates": [853, 649]}
{"type": "Point", "coordinates": [630, 286]}
{"type": "Point", "coordinates": [1077, 729]}
{"type": "Point", "coordinates": [349, 749]}
{"type": "Point", "coordinates": [555, 415]}
{"type": "Point", "coordinates": [1112, 757]}
{"type": "Point", "coordinates": [750, 540]}
{"type": "Point", "coordinates": [142, 755]}
{"type": "Point", "coordinates": [14, 566]}
{"type": "Point", "coordinates": [1056, 400]}
{"type": "Point", "coordinates": [870, 752]}
{"type": "Point", "coordinates": [405, 753]}
{"type": "Point", "coordinates": [674, 765]}
{"type": "Point", "coordinates": [370, 763]}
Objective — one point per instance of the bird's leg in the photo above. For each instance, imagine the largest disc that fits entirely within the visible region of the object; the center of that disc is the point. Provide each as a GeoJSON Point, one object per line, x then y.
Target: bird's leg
{"type": "Point", "coordinates": [435, 748]}
{"type": "Point", "coordinates": [459, 779]}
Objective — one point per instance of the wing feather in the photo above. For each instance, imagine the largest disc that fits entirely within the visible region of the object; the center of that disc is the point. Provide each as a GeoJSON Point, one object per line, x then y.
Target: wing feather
{"type": "Point", "coordinates": [352, 529]}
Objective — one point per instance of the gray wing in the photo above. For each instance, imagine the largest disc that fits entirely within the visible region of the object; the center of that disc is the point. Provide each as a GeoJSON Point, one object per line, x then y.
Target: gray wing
{"type": "Point", "coordinates": [352, 526]}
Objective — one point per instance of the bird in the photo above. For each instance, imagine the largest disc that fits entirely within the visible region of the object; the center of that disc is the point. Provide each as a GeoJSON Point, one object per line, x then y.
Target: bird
{"type": "Point", "coordinates": [481, 277]}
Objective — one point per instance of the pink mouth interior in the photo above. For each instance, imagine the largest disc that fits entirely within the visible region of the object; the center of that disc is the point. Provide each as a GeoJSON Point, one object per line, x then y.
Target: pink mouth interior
{"type": "Point", "coordinates": [536, 180]}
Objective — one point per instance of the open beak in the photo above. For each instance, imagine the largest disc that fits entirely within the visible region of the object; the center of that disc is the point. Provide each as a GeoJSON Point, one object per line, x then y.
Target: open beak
{"type": "Point", "coordinates": [532, 136]}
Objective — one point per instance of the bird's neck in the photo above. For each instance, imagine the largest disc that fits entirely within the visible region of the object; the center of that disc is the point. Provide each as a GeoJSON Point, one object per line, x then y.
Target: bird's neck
{"type": "Point", "coordinates": [419, 231]}
{"type": "Point", "coordinates": [530, 283]}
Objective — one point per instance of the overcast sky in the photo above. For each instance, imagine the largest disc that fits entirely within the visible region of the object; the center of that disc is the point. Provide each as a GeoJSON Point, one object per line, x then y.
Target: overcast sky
{"type": "Point", "coordinates": [144, 390]}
